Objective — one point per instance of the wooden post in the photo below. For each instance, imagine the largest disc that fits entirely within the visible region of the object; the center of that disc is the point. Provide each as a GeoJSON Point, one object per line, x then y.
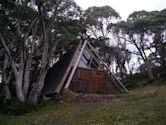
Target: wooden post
{"type": "Point", "coordinates": [76, 64]}
{"type": "Point", "coordinates": [68, 69]}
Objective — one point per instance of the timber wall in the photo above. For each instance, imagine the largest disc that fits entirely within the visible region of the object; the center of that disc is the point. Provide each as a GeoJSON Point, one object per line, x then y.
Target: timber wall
{"type": "Point", "coordinates": [92, 81]}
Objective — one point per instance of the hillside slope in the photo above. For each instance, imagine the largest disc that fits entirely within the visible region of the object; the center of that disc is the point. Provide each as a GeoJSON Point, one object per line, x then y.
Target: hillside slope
{"type": "Point", "coordinates": [145, 106]}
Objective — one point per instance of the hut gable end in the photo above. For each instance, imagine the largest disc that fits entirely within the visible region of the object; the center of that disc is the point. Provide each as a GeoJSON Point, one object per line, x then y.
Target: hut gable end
{"type": "Point", "coordinates": [83, 71]}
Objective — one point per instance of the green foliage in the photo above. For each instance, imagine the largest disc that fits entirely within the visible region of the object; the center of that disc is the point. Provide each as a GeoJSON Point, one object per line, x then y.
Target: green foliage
{"type": "Point", "coordinates": [94, 14]}
{"type": "Point", "coordinates": [23, 24]}
{"type": "Point", "coordinates": [141, 79]}
{"type": "Point", "coordinates": [136, 80]}
{"type": "Point", "coordinates": [6, 6]}
{"type": "Point", "coordinates": [98, 17]}
{"type": "Point", "coordinates": [144, 21]}
{"type": "Point", "coordinates": [137, 15]}
{"type": "Point", "coordinates": [145, 30]}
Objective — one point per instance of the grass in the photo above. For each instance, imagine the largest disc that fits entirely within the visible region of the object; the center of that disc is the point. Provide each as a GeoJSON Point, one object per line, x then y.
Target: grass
{"type": "Point", "coordinates": [45, 115]}
{"type": "Point", "coordinates": [144, 106]}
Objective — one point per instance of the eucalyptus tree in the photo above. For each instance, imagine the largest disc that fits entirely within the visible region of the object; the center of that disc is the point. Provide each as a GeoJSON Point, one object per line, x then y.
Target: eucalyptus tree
{"type": "Point", "coordinates": [98, 22]}
{"type": "Point", "coordinates": [98, 19]}
{"type": "Point", "coordinates": [52, 14]}
{"type": "Point", "coordinates": [6, 78]}
{"type": "Point", "coordinates": [31, 38]}
{"type": "Point", "coordinates": [122, 58]}
{"type": "Point", "coordinates": [157, 27]}
{"type": "Point", "coordinates": [135, 31]}
{"type": "Point", "coordinates": [154, 22]}
{"type": "Point", "coordinates": [4, 61]}
{"type": "Point", "coordinates": [16, 28]}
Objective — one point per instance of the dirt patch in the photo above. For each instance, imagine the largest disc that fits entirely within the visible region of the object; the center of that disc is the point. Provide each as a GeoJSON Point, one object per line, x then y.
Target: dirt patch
{"type": "Point", "coordinates": [71, 97]}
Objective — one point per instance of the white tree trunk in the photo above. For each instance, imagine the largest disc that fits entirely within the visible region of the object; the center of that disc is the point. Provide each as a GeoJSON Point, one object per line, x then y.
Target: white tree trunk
{"type": "Point", "coordinates": [46, 53]}
{"type": "Point", "coordinates": [7, 92]}
{"type": "Point", "coordinates": [19, 80]}
{"type": "Point", "coordinates": [35, 92]}
{"type": "Point", "coordinates": [18, 73]}
{"type": "Point", "coordinates": [6, 89]}
{"type": "Point", "coordinates": [27, 78]}
{"type": "Point", "coordinates": [6, 80]}
{"type": "Point", "coordinates": [19, 91]}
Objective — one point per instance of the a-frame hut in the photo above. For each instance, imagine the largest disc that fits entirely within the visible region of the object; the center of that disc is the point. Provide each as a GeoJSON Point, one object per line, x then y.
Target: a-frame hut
{"type": "Point", "coordinates": [81, 70]}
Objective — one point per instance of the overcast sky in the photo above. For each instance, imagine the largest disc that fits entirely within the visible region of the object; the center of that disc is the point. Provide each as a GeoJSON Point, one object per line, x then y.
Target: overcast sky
{"type": "Point", "coordinates": [125, 7]}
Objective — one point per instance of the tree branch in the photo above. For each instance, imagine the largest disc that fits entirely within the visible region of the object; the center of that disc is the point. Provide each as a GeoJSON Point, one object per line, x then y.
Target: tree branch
{"type": "Point", "coordinates": [9, 54]}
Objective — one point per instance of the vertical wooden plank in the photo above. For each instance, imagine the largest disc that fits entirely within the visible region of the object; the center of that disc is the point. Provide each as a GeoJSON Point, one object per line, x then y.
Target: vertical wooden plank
{"type": "Point", "coordinates": [76, 64]}
{"type": "Point", "coordinates": [58, 89]}
{"type": "Point", "coordinates": [93, 81]}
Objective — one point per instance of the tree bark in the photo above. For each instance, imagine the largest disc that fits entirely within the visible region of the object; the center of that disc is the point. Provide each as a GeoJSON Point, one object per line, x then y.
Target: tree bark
{"type": "Point", "coordinates": [27, 78]}
{"type": "Point", "coordinates": [29, 58]}
{"type": "Point", "coordinates": [6, 80]}
{"type": "Point", "coordinates": [18, 73]}
{"type": "Point", "coordinates": [35, 92]}
{"type": "Point", "coordinates": [19, 91]}
{"type": "Point", "coordinates": [7, 93]}
{"type": "Point", "coordinates": [46, 51]}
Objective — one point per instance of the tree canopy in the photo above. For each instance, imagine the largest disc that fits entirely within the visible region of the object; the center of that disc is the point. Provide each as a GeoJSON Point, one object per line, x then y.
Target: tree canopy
{"type": "Point", "coordinates": [34, 34]}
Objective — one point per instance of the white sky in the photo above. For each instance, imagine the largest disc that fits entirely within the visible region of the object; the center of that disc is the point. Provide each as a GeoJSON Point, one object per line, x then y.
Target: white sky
{"type": "Point", "coordinates": [125, 7]}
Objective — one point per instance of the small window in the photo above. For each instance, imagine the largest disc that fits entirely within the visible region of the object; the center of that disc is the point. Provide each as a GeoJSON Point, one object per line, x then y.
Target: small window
{"type": "Point", "coordinates": [94, 64]}
{"type": "Point", "coordinates": [87, 54]}
{"type": "Point", "coordinates": [82, 64]}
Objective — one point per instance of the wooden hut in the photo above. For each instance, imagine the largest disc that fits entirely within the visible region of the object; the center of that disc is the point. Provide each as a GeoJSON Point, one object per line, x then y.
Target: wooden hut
{"type": "Point", "coordinates": [81, 70]}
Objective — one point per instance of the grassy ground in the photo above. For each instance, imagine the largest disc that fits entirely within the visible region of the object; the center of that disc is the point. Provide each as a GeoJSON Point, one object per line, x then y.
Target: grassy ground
{"type": "Point", "coordinates": [45, 115]}
{"type": "Point", "coordinates": [144, 106]}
